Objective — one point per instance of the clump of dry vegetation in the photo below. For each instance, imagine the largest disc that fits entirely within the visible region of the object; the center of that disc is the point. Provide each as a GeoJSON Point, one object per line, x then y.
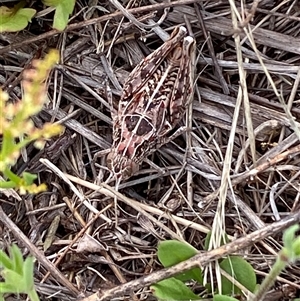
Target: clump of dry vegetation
{"type": "Point", "coordinates": [235, 171]}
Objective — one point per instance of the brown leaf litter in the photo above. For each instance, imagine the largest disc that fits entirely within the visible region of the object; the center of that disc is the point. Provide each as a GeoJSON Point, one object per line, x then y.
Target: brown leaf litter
{"type": "Point", "coordinates": [238, 163]}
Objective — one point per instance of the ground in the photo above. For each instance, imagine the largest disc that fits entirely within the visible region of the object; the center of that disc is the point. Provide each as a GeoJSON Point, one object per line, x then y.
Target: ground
{"type": "Point", "coordinates": [235, 169]}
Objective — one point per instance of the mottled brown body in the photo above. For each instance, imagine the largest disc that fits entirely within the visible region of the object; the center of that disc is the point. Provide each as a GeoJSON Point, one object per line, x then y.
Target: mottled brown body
{"type": "Point", "coordinates": [153, 101]}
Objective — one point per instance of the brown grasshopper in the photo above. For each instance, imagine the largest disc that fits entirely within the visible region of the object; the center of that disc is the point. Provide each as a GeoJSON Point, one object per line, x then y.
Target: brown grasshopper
{"type": "Point", "coordinates": [153, 101]}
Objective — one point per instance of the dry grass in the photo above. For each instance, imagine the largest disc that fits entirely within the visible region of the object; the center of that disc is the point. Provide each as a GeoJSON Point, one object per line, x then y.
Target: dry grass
{"type": "Point", "coordinates": [238, 174]}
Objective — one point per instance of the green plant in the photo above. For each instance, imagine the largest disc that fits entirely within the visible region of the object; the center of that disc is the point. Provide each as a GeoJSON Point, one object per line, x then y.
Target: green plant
{"type": "Point", "coordinates": [240, 270]}
{"type": "Point", "coordinates": [172, 252]}
{"type": "Point", "coordinates": [63, 8]}
{"type": "Point", "coordinates": [17, 274]}
{"type": "Point", "coordinates": [289, 254]}
{"type": "Point", "coordinates": [17, 18]}
{"type": "Point", "coordinates": [18, 130]}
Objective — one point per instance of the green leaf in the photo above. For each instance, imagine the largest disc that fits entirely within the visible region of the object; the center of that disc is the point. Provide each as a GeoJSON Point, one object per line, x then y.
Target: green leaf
{"type": "Point", "coordinates": [240, 270]}
{"type": "Point", "coordinates": [7, 184]}
{"type": "Point", "coordinates": [12, 176]}
{"type": "Point", "coordinates": [17, 259]}
{"type": "Point", "coordinates": [28, 177]}
{"type": "Point", "coordinates": [5, 261]}
{"type": "Point", "coordinates": [61, 18]}
{"type": "Point", "coordinates": [15, 19]}
{"type": "Point", "coordinates": [18, 274]}
{"type": "Point", "coordinates": [223, 298]}
{"type": "Point", "coordinates": [13, 280]}
{"type": "Point", "coordinates": [291, 250]}
{"type": "Point", "coordinates": [171, 252]}
{"type": "Point", "coordinates": [28, 273]}
{"type": "Point", "coordinates": [6, 288]}
{"type": "Point", "coordinates": [67, 4]}
{"type": "Point", "coordinates": [288, 237]}
{"type": "Point", "coordinates": [172, 289]}
{"type": "Point", "coordinates": [33, 296]}
{"type": "Point", "coordinates": [63, 8]}
{"type": "Point", "coordinates": [296, 247]}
